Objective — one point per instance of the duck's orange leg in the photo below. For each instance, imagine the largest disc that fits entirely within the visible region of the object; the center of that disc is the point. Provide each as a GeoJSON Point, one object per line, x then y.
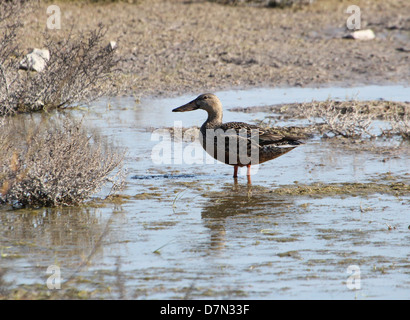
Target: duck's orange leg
{"type": "Point", "coordinates": [248, 174]}
{"type": "Point", "coordinates": [235, 171]}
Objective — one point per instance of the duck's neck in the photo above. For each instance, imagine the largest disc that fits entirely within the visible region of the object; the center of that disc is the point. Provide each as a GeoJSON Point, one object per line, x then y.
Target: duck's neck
{"type": "Point", "coordinates": [214, 118]}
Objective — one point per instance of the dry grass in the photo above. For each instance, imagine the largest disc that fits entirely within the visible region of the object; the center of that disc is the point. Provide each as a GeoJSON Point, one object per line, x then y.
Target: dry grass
{"type": "Point", "coordinates": [400, 123]}
{"type": "Point", "coordinates": [53, 162]}
{"type": "Point", "coordinates": [347, 119]}
{"type": "Point", "coordinates": [353, 119]}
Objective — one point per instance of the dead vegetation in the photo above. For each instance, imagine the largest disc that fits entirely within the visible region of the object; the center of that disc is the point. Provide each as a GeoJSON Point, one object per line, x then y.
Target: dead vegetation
{"type": "Point", "coordinates": [353, 119]}
{"type": "Point", "coordinates": [81, 67]}
{"type": "Point", "coordinates": [347, 119]}
{"type": "Point", "coordinates": [53, 162]}
{"type": "Point", "coordinates": [400, 123]}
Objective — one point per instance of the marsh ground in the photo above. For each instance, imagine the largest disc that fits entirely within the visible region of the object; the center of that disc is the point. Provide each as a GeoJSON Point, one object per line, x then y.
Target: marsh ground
{"type": "Point", "coordinates": [189, 231]}
{"type": "Point", "coordinates": [174, 47]}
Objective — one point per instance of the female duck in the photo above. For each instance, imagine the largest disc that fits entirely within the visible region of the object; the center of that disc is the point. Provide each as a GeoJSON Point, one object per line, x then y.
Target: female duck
{"type": "Point", "coordinates": [237, 143]}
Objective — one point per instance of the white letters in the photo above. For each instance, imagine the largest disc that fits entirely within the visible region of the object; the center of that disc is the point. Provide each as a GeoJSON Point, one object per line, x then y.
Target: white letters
{"type": "Point", "coordinates": [54, 21]}
{"type": "Point", "coordinates": [54, 281]}
{"type": "Point", "coordinates": [353, 22]}
{"type": "Point", "coordinates": [353, 282]}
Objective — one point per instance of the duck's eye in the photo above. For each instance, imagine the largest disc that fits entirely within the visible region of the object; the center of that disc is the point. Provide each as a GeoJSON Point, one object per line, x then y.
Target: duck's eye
{"type": "Point", "coordinates": [205, 97]}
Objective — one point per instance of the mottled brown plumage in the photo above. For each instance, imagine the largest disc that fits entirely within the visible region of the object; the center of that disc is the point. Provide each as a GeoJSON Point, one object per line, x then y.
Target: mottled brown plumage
{"type": "Point", "coordinates": [230, 138]}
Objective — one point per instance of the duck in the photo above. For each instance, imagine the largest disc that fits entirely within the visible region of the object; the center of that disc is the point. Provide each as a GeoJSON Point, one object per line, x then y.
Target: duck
{"type": "Point", "coordinates": [238, 143]}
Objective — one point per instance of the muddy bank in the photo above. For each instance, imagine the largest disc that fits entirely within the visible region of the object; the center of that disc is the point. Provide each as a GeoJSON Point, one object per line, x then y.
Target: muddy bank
{"type": "Point", "coordinates": [346, 119]}
{"type": "Point", "coordinates": [379, 109]}
{"type": "Point", "coordinates": [170, 47]}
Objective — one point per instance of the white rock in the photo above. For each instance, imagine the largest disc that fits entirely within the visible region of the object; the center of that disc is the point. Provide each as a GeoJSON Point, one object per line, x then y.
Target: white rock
{"type": "Point", "coordinates": [44, 53]}
{"type": "Point", "coordinates": [367, 34]}
{"type": "Point", "coordinates": [35, 60]}
{"type": "Point", "coordinates": [112, 45]}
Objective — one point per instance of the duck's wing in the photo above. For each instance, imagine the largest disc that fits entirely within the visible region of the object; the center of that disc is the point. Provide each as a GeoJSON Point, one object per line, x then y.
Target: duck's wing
{"type": "Point", "coordinates": [278, 137]}
{"type": "Point", "coordinates": [238, 126]}
{"type": "Point", "coordinates": [270, 136]}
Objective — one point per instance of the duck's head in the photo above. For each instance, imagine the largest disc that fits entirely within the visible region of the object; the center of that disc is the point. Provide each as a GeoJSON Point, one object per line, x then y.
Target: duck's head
{"type": "Point", "coordinates": [207, 101]}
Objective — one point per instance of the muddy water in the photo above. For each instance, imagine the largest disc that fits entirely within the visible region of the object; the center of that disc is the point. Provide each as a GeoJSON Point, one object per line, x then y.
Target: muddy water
{"type": "Point", "coordinates": [190, 231]}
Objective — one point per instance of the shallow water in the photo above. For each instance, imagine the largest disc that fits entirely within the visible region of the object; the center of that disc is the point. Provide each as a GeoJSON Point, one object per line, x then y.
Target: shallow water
{"type": "Point", "coordinates": [189, 231]}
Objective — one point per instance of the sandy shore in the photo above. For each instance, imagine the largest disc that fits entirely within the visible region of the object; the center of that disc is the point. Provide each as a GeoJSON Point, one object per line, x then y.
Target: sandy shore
{"type": "Point", "coordinates": [173, 47]}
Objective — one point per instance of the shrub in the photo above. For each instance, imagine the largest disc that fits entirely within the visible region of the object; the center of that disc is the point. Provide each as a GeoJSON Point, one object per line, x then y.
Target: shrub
{"type": "Point", "coordinates": [53, 162]}
{"type": "Point", "coordinates": [81, 67]}
{"type": "Point", "coordinates": [399, 122]}
{"type": "Point", "coordinates": [345, 119]}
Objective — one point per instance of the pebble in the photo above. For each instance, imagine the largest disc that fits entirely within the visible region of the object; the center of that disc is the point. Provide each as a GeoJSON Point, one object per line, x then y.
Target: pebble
{"type": "Point", "coordinates": [367, 34]}
{"type": "Point", "coordinates": [35, 60]}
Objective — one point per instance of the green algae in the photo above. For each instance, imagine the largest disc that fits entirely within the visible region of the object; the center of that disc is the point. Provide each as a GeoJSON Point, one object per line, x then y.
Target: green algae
{"type": "Point", "coordinates": [345, 189]}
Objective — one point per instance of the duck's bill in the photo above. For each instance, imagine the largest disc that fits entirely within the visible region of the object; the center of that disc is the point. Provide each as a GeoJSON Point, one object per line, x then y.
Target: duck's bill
{"type": "Point", "coordinates": [186, 107]}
